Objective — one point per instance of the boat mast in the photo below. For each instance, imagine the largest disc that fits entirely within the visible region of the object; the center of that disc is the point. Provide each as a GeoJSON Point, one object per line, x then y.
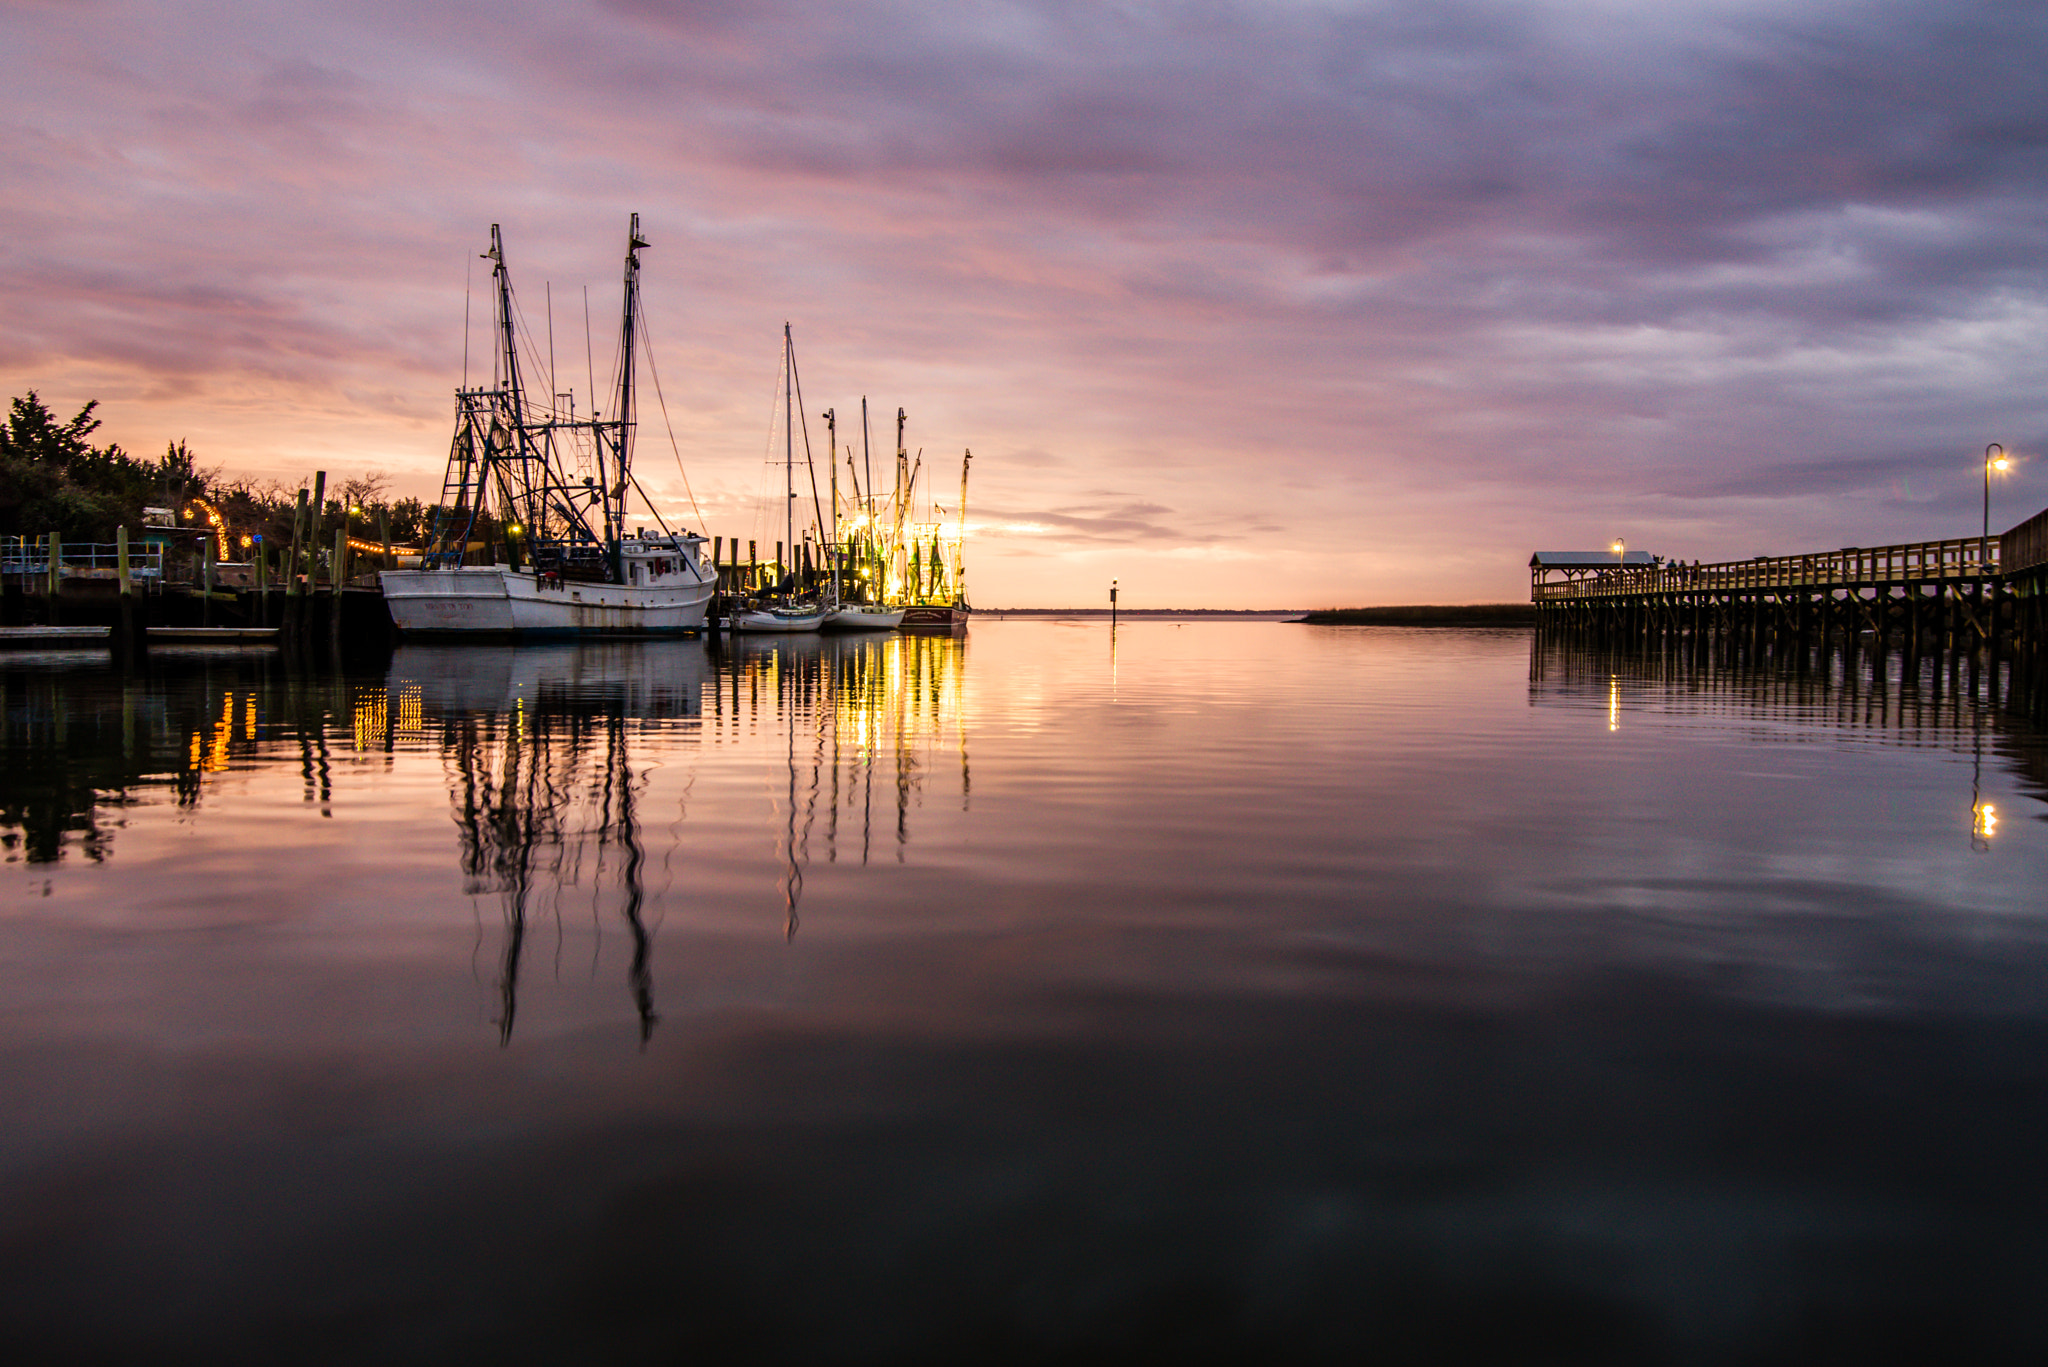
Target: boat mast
{"type": "Point", "coordinates": [514, 397]}
{"type": "Point", "coordinates": [615, 495]}
{"type": "Point", "coordinates": [832, 460]}
{"type": "Point", "coordinates": [496, 457]}
{"type": "Point", "coordinates": [789, 451]}
{"type": "Point", "coordinates": [960, 539]}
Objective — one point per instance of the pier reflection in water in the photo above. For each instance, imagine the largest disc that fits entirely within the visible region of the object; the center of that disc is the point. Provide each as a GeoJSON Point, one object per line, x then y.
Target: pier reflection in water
{"type": "Point", "coordinates": [1971, 702]}
{"type": "Point", "coordinates": [1258, 991]}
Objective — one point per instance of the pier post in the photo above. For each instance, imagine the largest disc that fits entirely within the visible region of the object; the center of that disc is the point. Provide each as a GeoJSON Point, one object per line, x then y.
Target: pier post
{"type": "Point", "coordinates": [337, 576]}
{"type": "Point", "coordinates": [54, 579]}
{"type": "Point", "coordinates": [294, 604]}
{"type": "Point", "coordinates": [316, 515]}
{"type": "Point", "coordinates": [129, 643]}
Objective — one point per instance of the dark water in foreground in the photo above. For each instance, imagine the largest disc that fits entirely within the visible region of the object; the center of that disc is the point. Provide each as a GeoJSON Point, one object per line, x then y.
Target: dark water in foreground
{"type": "Point", "coordinates": [1239, 991]}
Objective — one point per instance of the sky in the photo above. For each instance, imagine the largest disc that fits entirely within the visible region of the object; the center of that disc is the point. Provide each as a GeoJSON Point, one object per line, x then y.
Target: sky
{"type": "Point", "coordinates": [1243, 303]}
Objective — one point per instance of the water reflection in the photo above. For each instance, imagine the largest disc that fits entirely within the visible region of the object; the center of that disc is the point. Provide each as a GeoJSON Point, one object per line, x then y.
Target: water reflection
{"type": "Point", "coordinates": [82, 743]}
{"type": "Point", "coordinates": [1964, 701]}
{"type": "Point", "coordinates": [544, 787]}
{"type": "Point", "coordinates": [549, 751]}
{"type": "Point", "coordinates": [855, 710]}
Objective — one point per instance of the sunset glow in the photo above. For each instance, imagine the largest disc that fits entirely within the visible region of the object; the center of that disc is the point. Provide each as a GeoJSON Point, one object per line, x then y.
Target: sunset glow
{"type": "Point", "coordinates": [1252, 304]}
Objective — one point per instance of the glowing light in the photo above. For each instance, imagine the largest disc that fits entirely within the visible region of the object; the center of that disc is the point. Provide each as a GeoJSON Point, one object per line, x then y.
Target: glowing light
{"type": "Point", "coordinates": [1613, 703]}
{"type": "Point", "coordinates": [214, 520]}
{"type": "Point", "coordinates": [1986, 825]}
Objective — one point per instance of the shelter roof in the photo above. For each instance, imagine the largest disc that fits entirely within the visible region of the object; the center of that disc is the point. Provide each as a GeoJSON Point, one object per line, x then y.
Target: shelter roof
{"type": "Point", "coordinates": [1559, 560]}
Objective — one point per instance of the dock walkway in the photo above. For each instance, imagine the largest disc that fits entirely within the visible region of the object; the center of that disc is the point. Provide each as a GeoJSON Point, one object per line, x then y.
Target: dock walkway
{"type": "Point", "coordinates": [1955, 592]}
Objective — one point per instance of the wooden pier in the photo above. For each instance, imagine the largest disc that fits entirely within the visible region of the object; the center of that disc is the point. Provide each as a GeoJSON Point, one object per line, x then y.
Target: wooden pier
{"type": "Point", "coordinates": [1928, 595]}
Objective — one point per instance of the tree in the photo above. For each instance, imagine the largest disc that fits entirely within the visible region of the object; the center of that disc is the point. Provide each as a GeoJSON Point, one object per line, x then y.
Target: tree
{"type": "Point", "coordinates": [53, 479]}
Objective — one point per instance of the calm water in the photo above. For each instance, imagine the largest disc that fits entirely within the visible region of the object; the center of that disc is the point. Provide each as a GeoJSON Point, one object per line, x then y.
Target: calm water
{"type": "Point", "coordinates": [1234, 990]}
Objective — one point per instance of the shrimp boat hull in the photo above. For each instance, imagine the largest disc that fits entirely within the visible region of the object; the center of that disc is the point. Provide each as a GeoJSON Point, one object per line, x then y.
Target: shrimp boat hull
{"type": "Point", "coordinates": [934, 617]}
{"type": "Point", "coordinates": [499, 601]}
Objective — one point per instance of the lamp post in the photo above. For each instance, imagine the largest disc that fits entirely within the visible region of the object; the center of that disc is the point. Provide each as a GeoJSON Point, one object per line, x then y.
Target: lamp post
{"type": "Point", "coordinates": [2000, 463]}
{"type": "Point", "coordinates": [1620, 559]}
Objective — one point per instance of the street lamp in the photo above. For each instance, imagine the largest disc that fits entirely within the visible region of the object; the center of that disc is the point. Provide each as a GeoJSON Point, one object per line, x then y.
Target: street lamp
{"type": "Point", "coordinates": [1620, 560]}
{"type": "Point", "coordinates": [2000, 463]}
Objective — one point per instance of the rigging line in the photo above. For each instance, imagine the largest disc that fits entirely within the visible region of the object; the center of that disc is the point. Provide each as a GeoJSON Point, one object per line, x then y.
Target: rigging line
{"type": "Point", "coordinates": [654, 371]}
{"type": "Point", "coordinates": [589, 365]}
{"type": "Point", "coordinates": [468, 270]}
{"type": "Point", "coordinates": [761, 520]}
{"type": "Point", "coordinates": [817, 508]}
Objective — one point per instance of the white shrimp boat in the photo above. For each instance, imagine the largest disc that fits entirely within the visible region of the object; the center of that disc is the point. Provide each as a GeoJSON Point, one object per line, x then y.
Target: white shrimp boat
{"type": "Point", "coordinates": [539, 498]}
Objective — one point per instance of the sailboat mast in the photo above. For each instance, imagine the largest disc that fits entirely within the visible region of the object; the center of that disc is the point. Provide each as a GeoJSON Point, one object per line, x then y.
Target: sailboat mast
{"type": "Point", "coordinates": [618, 479]}
{"type": "Point", "coordinates": [960, 538]}
{"type": "Point", "coordinates": [788, 446]}
{"type": "Point", "coordinates": [832, 460]}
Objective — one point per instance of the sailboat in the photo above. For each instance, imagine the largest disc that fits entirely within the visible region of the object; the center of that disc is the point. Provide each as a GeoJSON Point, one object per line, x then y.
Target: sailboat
{"type": "Point", "coordinates": [788, 607]}
{"type": "Point", "coordinates": [857, 572]}
{"type": "Point", "coordinates": [531, 537]}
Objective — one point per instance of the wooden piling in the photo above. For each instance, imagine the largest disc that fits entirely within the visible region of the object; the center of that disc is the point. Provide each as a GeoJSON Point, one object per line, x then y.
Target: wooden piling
{"type": "Point", "coordinates": [337, 577]}
{"type": "Point", "coordinates": [129, 636]}
{"type": "Point", "coordinates": [54, 581]}
{"type": "Point", "coordinates": [294, 596]}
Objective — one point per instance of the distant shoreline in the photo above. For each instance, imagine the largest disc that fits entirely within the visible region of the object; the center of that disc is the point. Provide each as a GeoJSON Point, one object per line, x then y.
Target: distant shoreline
{"type": "Point", "coordinates": [1140, 612]}
{"type": "Point", "coordinates": [1451, 615]}
{"type": "Point", "coordinates": [1454, 615]}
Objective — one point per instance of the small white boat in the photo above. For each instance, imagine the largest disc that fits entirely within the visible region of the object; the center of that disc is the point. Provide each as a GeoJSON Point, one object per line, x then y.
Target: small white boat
{"type": "Point", "coordinates": [863, 617]}
{"type": "Point", "coordinates": [778, 617]}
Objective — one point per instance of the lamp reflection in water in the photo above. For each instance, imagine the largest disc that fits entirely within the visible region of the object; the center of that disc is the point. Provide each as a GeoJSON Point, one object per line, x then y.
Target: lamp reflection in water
{"type": "Point", "coordinates": [1983, 814]}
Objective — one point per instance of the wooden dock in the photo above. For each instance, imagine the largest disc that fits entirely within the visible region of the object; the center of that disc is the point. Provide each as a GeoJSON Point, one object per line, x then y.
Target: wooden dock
{"type": "Point", "coordinates": [1949, 594]}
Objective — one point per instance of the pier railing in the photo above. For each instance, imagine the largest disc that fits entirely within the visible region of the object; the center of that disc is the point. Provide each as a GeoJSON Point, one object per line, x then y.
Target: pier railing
{"type": "Point", "coordinates": [27, 558]}
{"type": "Point", "coordinates": [2026, 546]}
{"type": "Point", "coordinates": [1852, 567]}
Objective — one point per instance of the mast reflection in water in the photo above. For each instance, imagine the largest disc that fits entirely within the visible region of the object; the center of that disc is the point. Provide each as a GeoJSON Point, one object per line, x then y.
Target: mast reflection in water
{"type": "Point", "coordinates": [543, 783]}
{"type": "Point", "coordinates": [550, 752]}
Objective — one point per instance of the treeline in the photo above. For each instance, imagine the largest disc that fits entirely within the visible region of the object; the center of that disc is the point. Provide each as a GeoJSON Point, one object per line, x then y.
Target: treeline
{"type": "Point", "coordinates": [54, 478]}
